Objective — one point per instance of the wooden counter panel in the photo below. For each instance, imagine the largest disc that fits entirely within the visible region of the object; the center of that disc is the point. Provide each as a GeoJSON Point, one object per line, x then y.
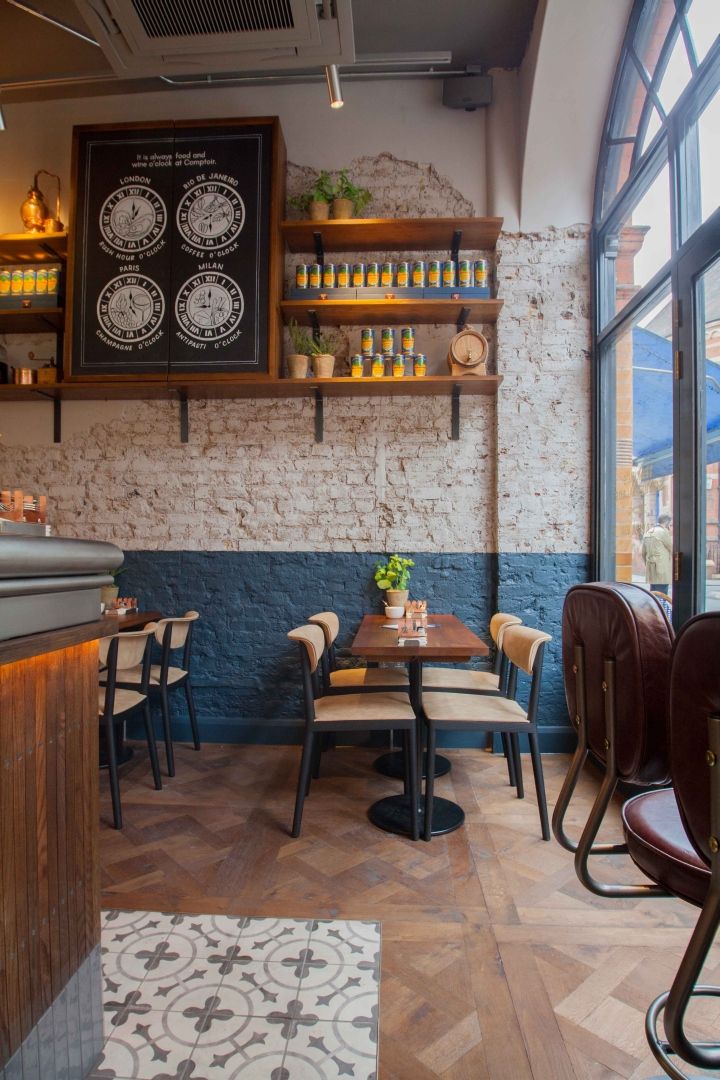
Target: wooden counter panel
{"type": "Point", "coordinates": [49, 907]}
{"type": "Point", "coordinates": [21, 648]}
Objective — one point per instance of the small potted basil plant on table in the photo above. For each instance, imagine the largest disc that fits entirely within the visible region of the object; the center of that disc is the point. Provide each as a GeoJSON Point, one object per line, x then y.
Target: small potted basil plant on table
{"type": "Point", "coordinates": [394, 577]}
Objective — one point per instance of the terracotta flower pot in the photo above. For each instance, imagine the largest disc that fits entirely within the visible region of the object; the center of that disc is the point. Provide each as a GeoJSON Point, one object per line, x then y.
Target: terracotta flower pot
{"type": "Point", "coordinates": [396, 597]}
{"type": "Point", "coordinates": [319, 211]}
{"type": "Point", "coordinates": [323, 366]}
{"type": "Point", "coordinates": [342, 208]}
{"type": "Point", "coordinates": [108, 593]}
{"type": "Point", "coordinates": [297, 365]}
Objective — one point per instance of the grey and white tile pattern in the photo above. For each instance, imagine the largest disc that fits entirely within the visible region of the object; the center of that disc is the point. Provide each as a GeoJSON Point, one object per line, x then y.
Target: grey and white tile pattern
{"type": "Point", "coordinates": [199, 997]}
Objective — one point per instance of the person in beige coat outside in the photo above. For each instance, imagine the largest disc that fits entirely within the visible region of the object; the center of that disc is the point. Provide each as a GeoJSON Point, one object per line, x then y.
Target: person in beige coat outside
{"type": "Point", "coordinates": [657, 554]}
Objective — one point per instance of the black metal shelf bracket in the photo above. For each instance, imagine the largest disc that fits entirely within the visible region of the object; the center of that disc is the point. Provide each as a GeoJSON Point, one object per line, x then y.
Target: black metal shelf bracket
{"type": "Point", "coordinates": [455, 246]}
{"type": "Point", "coordinates": [184, 419]}
{"type": "Point", "coordinates": [315, 323]}
{"type": "Point", "coordinates": [319, 249]}
{"type": "Point", "coordinates": [455, 413]}
{"type": "Point", "coordinates": [319, 415]}
{"type": "Point", "coordinates": [57, 414]}
{"type": "Point", "coordinates": [462, 318]}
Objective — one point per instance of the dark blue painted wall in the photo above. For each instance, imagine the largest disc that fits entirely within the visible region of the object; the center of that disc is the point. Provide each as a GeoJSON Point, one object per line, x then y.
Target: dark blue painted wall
{"type": "Point", "coordinates": [246, 672]}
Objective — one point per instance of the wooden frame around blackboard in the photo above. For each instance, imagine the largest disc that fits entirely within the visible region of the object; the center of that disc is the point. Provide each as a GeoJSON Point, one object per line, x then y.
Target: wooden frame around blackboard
{"type": "Point", "coordinates": [270, 251]}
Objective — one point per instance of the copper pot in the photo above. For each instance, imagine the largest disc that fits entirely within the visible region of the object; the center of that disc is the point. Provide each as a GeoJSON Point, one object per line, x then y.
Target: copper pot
{"type": "Point", "coordinates": [24, 376]}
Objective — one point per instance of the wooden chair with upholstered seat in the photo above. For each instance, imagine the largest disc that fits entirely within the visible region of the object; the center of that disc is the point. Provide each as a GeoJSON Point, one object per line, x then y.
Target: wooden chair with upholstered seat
{"type": "Point", "coordinates": [453, 710]}
{"type": "Point", "coordinates": [324, 713]}
{"type": "Point", "coordinates": [467, 679]}
{"type": "Point", "coordinates": [351, 680]}
{"type": "Point", "coordinates": [118, 654]}
{"type": "Point", "coordinates": [170, 635]}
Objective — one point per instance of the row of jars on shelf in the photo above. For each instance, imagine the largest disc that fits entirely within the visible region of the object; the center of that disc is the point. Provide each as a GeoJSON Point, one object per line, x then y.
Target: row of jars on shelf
{"type": "Point", "coordinates": [419, 273]}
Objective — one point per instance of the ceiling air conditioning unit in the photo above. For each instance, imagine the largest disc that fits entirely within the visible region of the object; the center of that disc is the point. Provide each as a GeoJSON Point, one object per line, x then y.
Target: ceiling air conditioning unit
{"type": "Point", "coordinates": [144, 38]}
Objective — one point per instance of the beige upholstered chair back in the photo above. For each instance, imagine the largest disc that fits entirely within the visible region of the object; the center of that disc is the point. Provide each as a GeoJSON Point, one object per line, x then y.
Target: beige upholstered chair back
{"type": "Point", "coordinates": [330, 624]}
{"type": "Point", "coordinates": [313, 638]}
{"type": "Point", "coordinates": [520, 645]}
{"type": "Point", "coordinates": [131, 647]}
{"type": "Point", "coordinates": [180, 627]}
{"type": "Point", "coordinates": [499, 623]}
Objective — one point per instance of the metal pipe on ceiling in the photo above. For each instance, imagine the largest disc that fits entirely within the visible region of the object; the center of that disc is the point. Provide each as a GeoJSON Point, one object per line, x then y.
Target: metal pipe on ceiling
{"type": "Point", "coordinates": [30, 9]}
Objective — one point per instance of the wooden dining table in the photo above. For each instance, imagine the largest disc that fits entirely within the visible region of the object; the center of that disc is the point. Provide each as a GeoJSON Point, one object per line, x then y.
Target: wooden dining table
{"type": "Point", "coordinates": [449, 640]}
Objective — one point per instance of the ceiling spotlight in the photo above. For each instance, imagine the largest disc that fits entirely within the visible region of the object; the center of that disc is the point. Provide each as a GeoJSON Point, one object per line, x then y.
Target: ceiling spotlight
{"type": "Point", "coordinates": [333, 85]}
{"type": "Point", "coordinates": [2, 119]}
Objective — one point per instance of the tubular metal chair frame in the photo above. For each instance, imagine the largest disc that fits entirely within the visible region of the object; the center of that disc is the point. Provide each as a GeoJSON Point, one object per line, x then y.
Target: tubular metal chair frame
{"type": "Point", "coordinates": [586, 846]}
{"type": "Point", "coordinates": [674, 1002]}
{"type": "Point", "coordinates": [312, 689]}
{"type": "Point", "coordinates": [109, 719]}
{"type": "Point", "coordinates": [329, 664]}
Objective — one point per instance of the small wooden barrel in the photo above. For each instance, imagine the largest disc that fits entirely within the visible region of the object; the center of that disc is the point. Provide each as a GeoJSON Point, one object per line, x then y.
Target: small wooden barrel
{"type": "Point", "coordinates": [468, 353]}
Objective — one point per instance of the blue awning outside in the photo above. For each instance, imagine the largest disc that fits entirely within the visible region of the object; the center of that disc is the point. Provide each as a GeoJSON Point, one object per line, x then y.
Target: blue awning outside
{"type": "Point", "coordinates": [652, 405]}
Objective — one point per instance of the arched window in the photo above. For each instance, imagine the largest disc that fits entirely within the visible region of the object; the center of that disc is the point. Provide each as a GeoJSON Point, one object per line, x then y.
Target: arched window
{"type": "Point", "coordinates": [656, 249]}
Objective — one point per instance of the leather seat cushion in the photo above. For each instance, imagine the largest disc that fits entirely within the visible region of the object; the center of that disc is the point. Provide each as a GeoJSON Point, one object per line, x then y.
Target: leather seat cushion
{"type": "Point", "coordinates": [623, 621]}
{"type": "Point", "coordinates": [134, 675]}
{"type": "Point", "coordinates": [124, 701]}
{"type": "Point", "coordinates": [346, 707]}
{"type": "Point", "coordinates": [459, 709]}
{"type": "Point", "coordinates": [369, 677]}
{"type": "Point", "coordinates": [459, 679]}
{"type": "Point", "coordinates": [659, 845]}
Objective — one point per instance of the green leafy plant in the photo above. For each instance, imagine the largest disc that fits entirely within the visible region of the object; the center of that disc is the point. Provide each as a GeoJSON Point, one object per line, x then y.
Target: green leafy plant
{"type": "Point", "coordinates": [393, 574]}
{"type": "Point", "coordinates": [116, 573]}
{"type": "Point", "coordinates": [326, 344]}
{"type": "Point", "coordinates": [345, 189]}
{"type": "Point", "coordinates": [301, 338]}
{"type": "Point", "coordinates": [322, 190]}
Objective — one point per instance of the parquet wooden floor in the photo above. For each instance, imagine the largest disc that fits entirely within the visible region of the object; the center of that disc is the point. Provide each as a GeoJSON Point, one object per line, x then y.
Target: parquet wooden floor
{"type": "Point", "coordinates": [496, 962]}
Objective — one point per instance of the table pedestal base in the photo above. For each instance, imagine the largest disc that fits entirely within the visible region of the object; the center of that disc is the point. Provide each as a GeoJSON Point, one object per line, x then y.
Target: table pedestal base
{"type": "Point", "coordinates": [393, 765]}
{"type": "Point", "coordinates": [393, 815]}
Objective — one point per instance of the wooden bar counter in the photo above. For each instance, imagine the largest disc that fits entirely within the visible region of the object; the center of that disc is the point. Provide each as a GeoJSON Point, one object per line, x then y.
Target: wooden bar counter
{"type": "Point", "coordinates": [50, 977]}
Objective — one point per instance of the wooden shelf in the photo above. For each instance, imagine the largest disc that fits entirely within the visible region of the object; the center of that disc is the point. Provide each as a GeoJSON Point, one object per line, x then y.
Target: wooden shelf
{"type": "Point", "coordinates": [390, 312]}
{"type": "Point", "coordinates": [31, 320]}
{"type": "Point", "coordinates": [393, 234]}
{"type": "Point", "coordinates": [429, 385]}
{"type": "Point", "coordinates": [33, 247]}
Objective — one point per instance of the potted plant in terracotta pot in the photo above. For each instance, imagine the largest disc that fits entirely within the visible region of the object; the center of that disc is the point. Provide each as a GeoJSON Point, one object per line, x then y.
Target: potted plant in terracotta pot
{"type": "Point", "coordinates": [323, 349]}
{"type": "Point", "coordinates": [394, 577]}
{"type": "Point", "coordinates": [349, 201]}
{"type": "Point", "coordinates": [298, 361]}
{"type": "Point", "coordinates": [316, 202]}
{"type": "Point", "coordinates": [108, 593]}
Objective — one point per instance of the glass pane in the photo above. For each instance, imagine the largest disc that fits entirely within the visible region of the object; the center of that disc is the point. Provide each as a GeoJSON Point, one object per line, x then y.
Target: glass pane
{"type": "Point", "coordinates": [654, 125]}
{"type": "Point", "coordinates": [652, 30]}
{"type": "Point", "coordinates": [704, 20]}
{"type": "Point", "coordinates": [676, 75]}
{"type": "Point", "coordinates": [707, 298]}
{"type": "Point", "coordinates": [708, 132]}
{"type": "Point", "coordinates": [641, 244]}
{"type": "Point", "coordinates": [644, 443]}
{"type": "Point", "coordinates": [617, 170]}
{"type": "Point", "coordinates": [629, 102]}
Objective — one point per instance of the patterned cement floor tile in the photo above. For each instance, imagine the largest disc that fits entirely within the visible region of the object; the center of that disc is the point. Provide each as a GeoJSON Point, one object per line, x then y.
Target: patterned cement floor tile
{"type": "Point", "coordinates": [193, 997]}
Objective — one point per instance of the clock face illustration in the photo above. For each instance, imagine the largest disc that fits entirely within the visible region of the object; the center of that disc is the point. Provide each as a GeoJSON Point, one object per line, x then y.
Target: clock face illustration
{"type": "Point", "coordinates": [209, 306]}
{"type": "Point", "coordinates": [210, 216]}
{"type": "Point", "coordinates": [133, 218]}
{"type": "Point", "coordinates": [130, 308]}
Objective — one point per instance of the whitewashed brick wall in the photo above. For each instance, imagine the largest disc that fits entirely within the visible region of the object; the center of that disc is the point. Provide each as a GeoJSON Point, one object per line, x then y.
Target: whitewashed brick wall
{"type": "Point", "coordinates": [387, 476]}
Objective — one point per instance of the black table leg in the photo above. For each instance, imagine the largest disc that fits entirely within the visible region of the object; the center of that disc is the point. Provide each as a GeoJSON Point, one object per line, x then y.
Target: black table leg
{"type": "Point", "coordinates": [393, 815]}
{"type": "Point", "coordinates": [392, 764]}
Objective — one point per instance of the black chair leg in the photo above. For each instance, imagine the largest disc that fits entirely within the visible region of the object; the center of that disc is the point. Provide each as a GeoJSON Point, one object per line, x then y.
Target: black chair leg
{"type": "Point", "coordinates": [113, 772]}
{"type": "Point", "coordinates": [412, 757]}
{"type": "Point", "coordinates": [515, 743]}
{"type": "Point", "coordinates": [165, 710]}
{"type": "Point", "coordinates": [152, 748]}
{"type": "Point", "coordinates": [318, 748]}
{"type": "Point", "coordinates": [193, 715]}
{"type": "Point", "coordinates": [509, 758]}
{"type": "Point", "coordinates": [429, 780]}
{"type": "Point", "coordinates": [303, 780]}
{"type": "Point", "coordinates": [539, 785]}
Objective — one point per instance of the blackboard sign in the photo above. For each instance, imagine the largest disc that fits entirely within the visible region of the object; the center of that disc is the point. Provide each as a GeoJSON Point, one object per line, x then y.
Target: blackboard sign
{"type": "Point", "coordinates": [171, 249]}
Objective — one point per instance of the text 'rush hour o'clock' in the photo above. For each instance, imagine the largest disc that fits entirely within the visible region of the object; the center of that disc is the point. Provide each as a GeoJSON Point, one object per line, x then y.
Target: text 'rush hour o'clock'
{"type": "Point", "coordinates": [172, 247]}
